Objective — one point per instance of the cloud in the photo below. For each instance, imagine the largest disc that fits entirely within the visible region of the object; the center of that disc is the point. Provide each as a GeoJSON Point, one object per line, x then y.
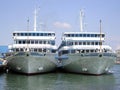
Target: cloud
{"type": "Point", "coordinates": [62, 25]}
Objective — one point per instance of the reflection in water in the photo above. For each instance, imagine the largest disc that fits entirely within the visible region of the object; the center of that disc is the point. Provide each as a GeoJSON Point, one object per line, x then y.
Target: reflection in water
{"type": "Point", "coordinates": [84, 82]}
{"type": "Point", "coordinates": [59, 81]}
{"type": "Point", "coordinates": [36, 82]}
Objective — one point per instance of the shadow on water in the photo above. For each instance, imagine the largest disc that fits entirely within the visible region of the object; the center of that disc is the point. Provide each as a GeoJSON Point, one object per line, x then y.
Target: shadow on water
{"type": "Point", "coordinates": [61, 81]}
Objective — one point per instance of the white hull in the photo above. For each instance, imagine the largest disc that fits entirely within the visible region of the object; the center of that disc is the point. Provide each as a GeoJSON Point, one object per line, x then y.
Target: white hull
{"type": "Point", "coordinates": [88, 64]}
{"type": "Point", "coordinates": [32, 64]}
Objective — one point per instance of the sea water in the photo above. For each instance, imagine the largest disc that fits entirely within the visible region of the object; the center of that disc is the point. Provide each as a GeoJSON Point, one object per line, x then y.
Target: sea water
{"type": "Point", "coordinates": [61, 81]}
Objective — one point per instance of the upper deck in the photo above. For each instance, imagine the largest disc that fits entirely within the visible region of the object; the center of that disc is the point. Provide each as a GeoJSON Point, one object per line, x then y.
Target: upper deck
{"type": "Point", "coordinates": [83, 36]}
{"type": "Point", "coordinates": [33, 35]}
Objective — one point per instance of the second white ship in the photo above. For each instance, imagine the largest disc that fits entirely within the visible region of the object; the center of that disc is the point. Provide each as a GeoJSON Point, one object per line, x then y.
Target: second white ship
{"type": "Point", "coordinates": [85, 52]}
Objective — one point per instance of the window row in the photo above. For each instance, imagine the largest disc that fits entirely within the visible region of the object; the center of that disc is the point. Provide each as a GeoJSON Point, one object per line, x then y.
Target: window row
{"type": "Point", "coordinates": [81, 43]}
{"type": "Point", "coordinates": [84, 35]}
{"type": "Point", "coordinates": [83, 51]}
{"type": "Point", "coordinates": [34, 42]}
{"type": "Point", "coordinates": [33, 34]}
{"type": "Point", "coordinates": [42, 50]}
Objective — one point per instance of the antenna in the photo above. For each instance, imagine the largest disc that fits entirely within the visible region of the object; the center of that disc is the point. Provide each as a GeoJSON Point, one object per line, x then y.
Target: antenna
{"type": "Point", "coordinates": [81, 20]}
{"type": "Point", "coordinates": [28, 24]}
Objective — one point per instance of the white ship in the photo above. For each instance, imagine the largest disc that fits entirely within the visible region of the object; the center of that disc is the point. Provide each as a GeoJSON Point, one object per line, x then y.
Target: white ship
{"type": "Point", "coordinates": [85, 52]}
{"type": "Point", "coordinates": [33, 51]}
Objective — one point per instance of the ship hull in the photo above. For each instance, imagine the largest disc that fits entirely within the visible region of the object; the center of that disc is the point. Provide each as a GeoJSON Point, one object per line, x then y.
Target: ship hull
{"type": "Point", "coordinates": [88, 63]}
{"type": "Point", "coordinates": [29, 64]}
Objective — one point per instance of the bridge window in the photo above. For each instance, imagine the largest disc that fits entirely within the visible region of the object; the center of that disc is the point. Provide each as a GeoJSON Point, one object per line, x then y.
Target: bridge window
{"type": "Point", "coordinates": [92, 35]}
{"type": "Point", "coordinates": [40, 42]}
{"type": "Point", "coordinates": [68, 35]}
{"type": "Point", "coordinates": [76, 43]}
{"type": "Point", "coordinates": [84, 35]}
{"type": "Point", "coordinates": [80, 43]}
{"type": "Point", "coordinates": [41, 34]}
{"type": "Point", "coordinates": [33, 34]}
{"type": "Point", "coordinates": [103, 35]}
{"type": "Point", "coordinates": [88, 43]}
{"type": "Point", "coordinates": [32, 42]}
{"type": "Point", "coordinates": [84, 43]}
{"type": "Point", "coordinates": [91, 50]}
{"type": "Point", "coordinates": [72, 35]}
{"type": "Point", "coordinates": [76, 35]}
{"type": "Point", "coordinates": [87, 51]}
{"type": "Point", "coordinates": [88, 35]}
{"type": "Point", "coordinates": [36, 41]}
{"type": "Point", "coordinates": [14, 34]}
{"type": "Point", "coordinates": [19, 42]}
{"type": "Point", "coordinates": [25, 34]}
{"type": "Point", "coordinates": [22, 34]}
{"type": "Point", "coordinates": [96, 43]}
{"type": "Point", "coordinates": [37, 34]}
{"type": "Point", "coordinates": [92, 43]}
{"type": "Point", "coordinates": [80, 35]}
{"type": "Point", "coordinates": [49, 34]}
{"type": "Point", "coordinates": [44, 42]}
{"type": "Point", "coordinates": [23, 41]}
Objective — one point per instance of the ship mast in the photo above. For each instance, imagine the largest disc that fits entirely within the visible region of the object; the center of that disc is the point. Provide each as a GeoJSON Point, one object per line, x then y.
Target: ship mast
{"type": "Point", "coordinates": [35, 19]}
{"type": "Point", "coordinates": [28, 35]}
{"type": "Point", "coordinates": [100, 37]}
{"type": "Point", "coordinates": [81, 20]}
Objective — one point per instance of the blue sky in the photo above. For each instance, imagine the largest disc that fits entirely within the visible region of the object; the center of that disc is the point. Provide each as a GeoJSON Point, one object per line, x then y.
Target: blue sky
{"type": "Point", "coordinates": [61, 16]}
